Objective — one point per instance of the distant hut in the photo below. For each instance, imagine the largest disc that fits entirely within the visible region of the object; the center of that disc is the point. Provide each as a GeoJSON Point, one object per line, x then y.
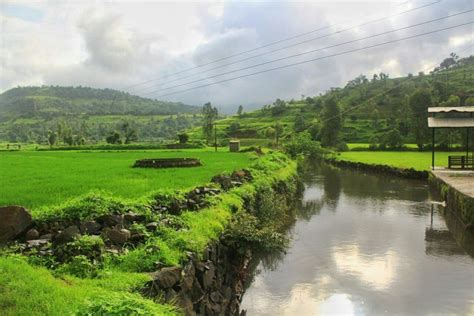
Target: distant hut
{"type": "Point", "coordinates": [234, 145]}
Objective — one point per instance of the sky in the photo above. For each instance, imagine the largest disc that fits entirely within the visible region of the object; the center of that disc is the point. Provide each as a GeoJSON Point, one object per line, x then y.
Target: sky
{"type": "Point", "coordinates": [157, 49]}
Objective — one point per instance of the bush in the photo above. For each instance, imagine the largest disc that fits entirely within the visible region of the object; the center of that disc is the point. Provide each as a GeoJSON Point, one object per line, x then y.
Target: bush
{"type": "Point", "coordinates": [79, 266]}
{"type": "Point", "coordinates": [183, 138]}
{"type": "Point", "coordinates": [303, 144]}
{"type": "Point", "coordinates": [91, 247]}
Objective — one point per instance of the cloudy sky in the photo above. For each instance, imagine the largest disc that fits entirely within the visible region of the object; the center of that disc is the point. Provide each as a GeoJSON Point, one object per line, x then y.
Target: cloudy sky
{"type": "Point", "coordinates": [139, 46]}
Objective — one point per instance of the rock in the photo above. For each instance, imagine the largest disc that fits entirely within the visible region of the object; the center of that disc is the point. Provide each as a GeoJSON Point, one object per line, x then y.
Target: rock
{"type": "Point", "coordinates": [216, 297]}
{"type": "Point", "coordinates": [32, 234]}
{"type": "Point", "coordinates": [14, 220]}
{"type": "Point", "coordinates": [118, 236]}
{"type": "Point", "coordinates": [133, 217]}
{"type": "Point", "coordinates": [111, 220]}
{"type": "Point", "coordinates": [35, 243]}
{"type": "Point", "coordinates": [67, 235]}
{"type": "Point", "coordinates": [188, 276]}
{"type": "Point", "coordinates": [152, 226]}
{"type": "Point", "coordinates": [167, 277]}
{"type": "Point", "coordinates": [208, 276]}
{"type": "Point", "coordinates": [137, 238]}
{"type": "Point", "coordinates": [185, 303]}
{"type": "Point", "coordinates": [91, 228]}
{"type": "Point", "coordinates": [196, 292]}
{"type": "Point", "coordinates": [48, 236]}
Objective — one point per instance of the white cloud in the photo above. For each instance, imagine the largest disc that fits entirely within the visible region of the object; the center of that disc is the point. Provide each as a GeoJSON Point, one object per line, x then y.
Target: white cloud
{"type": "Point", "coordinates": [116, 44]}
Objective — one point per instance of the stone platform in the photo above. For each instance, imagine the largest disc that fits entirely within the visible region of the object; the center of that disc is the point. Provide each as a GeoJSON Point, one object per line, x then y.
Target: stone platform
{"type": "Point", "coordinates": [461, 180]}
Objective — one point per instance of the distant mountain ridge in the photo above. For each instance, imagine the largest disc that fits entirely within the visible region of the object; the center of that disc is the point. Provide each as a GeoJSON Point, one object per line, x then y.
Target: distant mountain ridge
{"type": "Point", "coordinates": [52, 101]}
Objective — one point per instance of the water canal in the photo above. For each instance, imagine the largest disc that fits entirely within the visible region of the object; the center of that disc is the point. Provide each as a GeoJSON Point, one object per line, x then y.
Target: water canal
{"type": "Point", "coordinates": [365, 244]}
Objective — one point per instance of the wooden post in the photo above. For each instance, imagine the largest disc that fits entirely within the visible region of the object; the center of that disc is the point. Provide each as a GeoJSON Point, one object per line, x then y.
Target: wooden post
{"type": "Point", "coordinates": [433, 149]}
{"type": "Point", "coordinates": [467, 142]}
{"type": "Point", "coordinates": [215, 136]}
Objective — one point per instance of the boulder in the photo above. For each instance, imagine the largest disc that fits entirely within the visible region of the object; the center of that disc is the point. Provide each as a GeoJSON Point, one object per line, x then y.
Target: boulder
{"type": "Point", "coordinates": [48, 236]}
{"type": "Point", "coordinates": [91, 228]}
{"type": "Point", "coordinates": [32, 234]}
{"type": "Point", "coordinates": [118, 236]}
{"type": "Point", "coordinates": [111, 219]}
{"type": "Point", "coordinates": [167, 277]}
{"type": "Point", "coordinates": [14, 220]}
{"type": "Point", "coordinates": [133, 217]}
{"type": "Point", "coordinates": [152, 226]}
{"type": "Point", "coordinates": [67, 235]}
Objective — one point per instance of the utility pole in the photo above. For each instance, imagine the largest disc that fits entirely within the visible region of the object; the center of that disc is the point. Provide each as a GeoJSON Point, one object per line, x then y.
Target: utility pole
{"type": "Point", "coordinates": [215, 136]}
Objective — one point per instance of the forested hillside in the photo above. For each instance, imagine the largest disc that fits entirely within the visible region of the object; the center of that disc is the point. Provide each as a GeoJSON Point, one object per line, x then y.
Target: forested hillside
{"type": "Point", "coordinates": [374, 109]}
{"type": "Point", "coordinates": [75, 115]}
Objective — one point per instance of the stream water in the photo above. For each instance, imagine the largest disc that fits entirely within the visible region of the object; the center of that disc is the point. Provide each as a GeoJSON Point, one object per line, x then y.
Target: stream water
{"type": "Point", "coordinates": [366, 244]}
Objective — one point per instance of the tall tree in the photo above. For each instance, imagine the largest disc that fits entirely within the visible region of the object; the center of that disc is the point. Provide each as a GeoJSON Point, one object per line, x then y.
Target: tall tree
{"type": "Point", "coordinates": [240, 111]}
{"type": "Point", "coordinates": [420, 100]}
{"type": "Point", "coordinates": [332, 123]}
{"type": "Point", "coordinates": [209, 115]}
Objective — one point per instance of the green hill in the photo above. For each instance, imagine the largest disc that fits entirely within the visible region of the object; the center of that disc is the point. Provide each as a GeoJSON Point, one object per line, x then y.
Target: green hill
{"type": "Point", "coordinates": [370, 108]}
{"type": "Point", "coordinates": [28, 113]}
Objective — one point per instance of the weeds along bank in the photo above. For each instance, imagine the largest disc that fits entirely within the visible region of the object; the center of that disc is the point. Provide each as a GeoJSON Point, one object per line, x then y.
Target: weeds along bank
{"type": "Point", "coordinates": [181, 251]}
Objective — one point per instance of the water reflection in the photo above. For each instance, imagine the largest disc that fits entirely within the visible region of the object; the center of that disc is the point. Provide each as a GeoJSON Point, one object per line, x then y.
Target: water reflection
{"type": "Point", "coordinates": [365, 245]}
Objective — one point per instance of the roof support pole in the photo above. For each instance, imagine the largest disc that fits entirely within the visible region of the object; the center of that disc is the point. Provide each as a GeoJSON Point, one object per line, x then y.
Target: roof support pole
{"type": "Point", "coordinates": [432, 148]}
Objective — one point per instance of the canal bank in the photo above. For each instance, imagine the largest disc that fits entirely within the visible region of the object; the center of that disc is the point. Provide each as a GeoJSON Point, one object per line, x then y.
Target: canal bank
{"type": "Point", "coordinates": [456, 186]}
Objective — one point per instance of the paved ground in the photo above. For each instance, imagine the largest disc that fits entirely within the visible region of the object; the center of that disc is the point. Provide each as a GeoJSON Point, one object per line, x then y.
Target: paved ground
{"type": "Point", "coordinates": [461, 180]}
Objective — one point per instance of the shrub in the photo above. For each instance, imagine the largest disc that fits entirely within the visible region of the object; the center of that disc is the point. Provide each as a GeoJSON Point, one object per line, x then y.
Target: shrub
{"type": "Point", "coordinates": [90, 247]}
{"type": "Point", "coordinates": [79, 266]}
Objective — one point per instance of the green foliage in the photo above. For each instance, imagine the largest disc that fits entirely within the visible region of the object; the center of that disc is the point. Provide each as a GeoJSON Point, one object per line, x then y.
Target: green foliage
{"type": "Point", "coordinates": [79, 266]}
{"type": "Point", "coordinates": [245, 232]}
{"type": "Point", "coordinates": [453, 100]}
{"type": "Point", "coordinates": [90, 206]}
{"type": "Point", "coordinates": [303, 143]}
{"type": "Point", "coordinates": [209, 115]}
{"type": "Point", "coordinates": [118, 304]}
{"type": "Point", "coordinates": [183, 138]}
{"type": "Point", "coordinates": [279, 107]}
{"type": "Point", "coordinates": [332, 123]}
{"type": "Point", "coordinates": [89, 247]}
{"type": "Point", "coordinates": [113, 138]}
{"type": "Point", "coordinates": [391, 139]}
{"type": "Point", "coordinates": [420, 100]}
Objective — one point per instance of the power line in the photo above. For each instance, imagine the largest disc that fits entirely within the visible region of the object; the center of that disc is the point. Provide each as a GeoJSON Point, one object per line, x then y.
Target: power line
{"type": "Point", "coordinates": [287, 39]}
{"type": "Point", "coordinates": [319, 58]}
{"type": "Point", "coordinates": [305, 53]}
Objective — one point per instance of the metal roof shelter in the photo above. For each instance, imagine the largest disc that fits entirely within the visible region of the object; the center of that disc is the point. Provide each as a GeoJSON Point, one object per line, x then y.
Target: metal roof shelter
{"type": "Point", "coordinates": [466, 121]}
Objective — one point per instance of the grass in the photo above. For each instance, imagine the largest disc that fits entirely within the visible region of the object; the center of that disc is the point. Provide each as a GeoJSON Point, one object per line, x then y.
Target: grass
{"type": "Point", "coordinates": [32, 290]}
{"type": "Point", "coordinates": [40, 179]}
{"type": "Point", "coordinates": [401, 159]}
{"type": "Point", "coordinates": [29, 290]}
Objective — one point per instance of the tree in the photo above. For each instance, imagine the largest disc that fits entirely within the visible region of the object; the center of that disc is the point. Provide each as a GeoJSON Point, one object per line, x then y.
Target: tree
{"type": "Point", "coordinates": [392, 139]}
{"type": "Point", "coordinates": [113, 138]}
{"type": "Point", "coordinates": [234, 127]}
{"type": "Point", "coordinates": [240, 111]}
{"type": "Point", "coordinates": [419, 101]}
{"type": "Point", "coordinates": [279, 106]}
{"type": "Point", "coordinates": [52, 137]}
{"type": "Point", "coordinates": [332, 123]}
{"type": "Point", "coordinates": [453, 100]}
{"type": "Point", "coordinates": [469, 101]}
{"type": "Point", "coordinates": [300, 123]}
{"type": "Point", "coordinates": [129, 132]}
{"type": "Point", "coordinates": [209, 115]}
{"type": "Point", "coordinates": [183, 138]}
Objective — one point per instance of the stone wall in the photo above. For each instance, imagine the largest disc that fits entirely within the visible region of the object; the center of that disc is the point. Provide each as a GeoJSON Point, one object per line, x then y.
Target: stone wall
{"type": "Point", "coordinates": [167, 163]}
{"type": "Point", "coordinates": [461, 205]}
{"type": "Point", "coordinates": [409, 173]}
{"type": "Point", "coordinates": [212, 285]}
